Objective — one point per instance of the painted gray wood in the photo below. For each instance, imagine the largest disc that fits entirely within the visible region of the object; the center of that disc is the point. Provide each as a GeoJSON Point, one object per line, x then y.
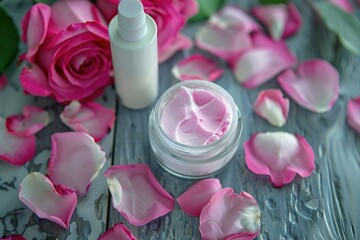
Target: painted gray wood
{"type": "Point", "coordinates": [322, 206]}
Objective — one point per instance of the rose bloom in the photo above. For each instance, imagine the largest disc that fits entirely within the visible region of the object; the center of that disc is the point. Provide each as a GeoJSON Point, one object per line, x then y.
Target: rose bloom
{"type": "Point", "coordinates": [170, 17]}
{"type": "Point", "coordinates": [68, 51]}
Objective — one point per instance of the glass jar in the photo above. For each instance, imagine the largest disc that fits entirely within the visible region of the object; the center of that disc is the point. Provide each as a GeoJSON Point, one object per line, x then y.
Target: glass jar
{"type": "Point", "coordinates": [190, 161]}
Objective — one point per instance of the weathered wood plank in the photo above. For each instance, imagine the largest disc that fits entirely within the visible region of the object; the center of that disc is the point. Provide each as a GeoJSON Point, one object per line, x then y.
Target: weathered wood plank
{"type": "Point", "coordinates": [90, 216]}
{"type": "Point", "coordinates": [323, 206]}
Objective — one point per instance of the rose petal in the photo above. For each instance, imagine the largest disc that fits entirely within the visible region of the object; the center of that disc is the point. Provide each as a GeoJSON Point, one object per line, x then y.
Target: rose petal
{"type": "Point", "coordinates": [34, 81]}
{"type": "Point", "coordinates": [263, 61]}
{"type": "Point", "coordinates": [272, 106]}
{"type": "Point", "coordinates": [234, 17]}
{"type": "Point", "coordinates": [29, 123]}
{"type": "Point", "coordinates": [241, 236]}
{"type": "Point", "coordinates": [187, 7]}
{"type": "Point", "coordinates": [118, 231]}
{"type": "Point", "coordinates": [3, 81]}
{"type": "Point", "coordinates": [197, 67]}
{"type": "Point", "coordinates": [228, 213]}
{"type": "Point", "coordinates": [281, 20]}
{"type": "Point", "coordinates": [280, 155]}
{"type": "Point", "coordinates": [90, 118]}
{"type": "Point", "coordinates": [75, 160]}
{"type": "Point", "coordinates": [13, 237]}
{"type": "Point", "coordinates": [136, 193]}
{"type": "Point", "coordinates": [193, 200]}
{"type": "Point", "coordinates": [353, 114]}
{"type": "Point", "coordinates": [34, 27]}
{"type": "Point", "coordinates": [56, 204]}
{"type": "Point", "coordinates": [13, 149]}
{"type": "Point", "coordinates": [225, 43]}
{"type": "Point", "coordinates": [181, 42]}
{"type": "Point", "coordinates": [345, 5]}
{"type": "Point", "coordinates": [314, 86]}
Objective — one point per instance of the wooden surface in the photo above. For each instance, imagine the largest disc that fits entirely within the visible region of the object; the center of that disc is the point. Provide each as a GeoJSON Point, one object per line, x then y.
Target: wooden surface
{"type": "Point", "coordinates": [322, 206]}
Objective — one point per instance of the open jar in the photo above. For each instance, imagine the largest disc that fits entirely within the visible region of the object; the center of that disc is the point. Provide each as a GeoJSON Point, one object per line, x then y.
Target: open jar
{"type": "Point", "coordinates": [194, 161]}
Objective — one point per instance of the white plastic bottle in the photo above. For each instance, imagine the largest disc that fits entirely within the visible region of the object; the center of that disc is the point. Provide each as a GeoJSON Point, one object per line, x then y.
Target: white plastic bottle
{"type": "Point", "coordinates": [133, 40]}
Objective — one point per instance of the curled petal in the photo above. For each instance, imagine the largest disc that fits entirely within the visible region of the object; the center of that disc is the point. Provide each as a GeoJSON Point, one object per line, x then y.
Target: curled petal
{"type": "Point", "coordinates": [345, 5]}
{"type": "Point", "coordinates": [180, 42]}
{"type": "Point", "coordinates": [281, 20]}
{"type": "Point", "coordinates": [29, 123]}
{"type": "Point", "coordinates": [75, 160]}
{"type": "Point", "coordinates": [13, 237]}
{"type": "Point", "coordinates": [188, 7]}
{"type": "Point", "coordinates": [13, 149]}
{"type": "Point", "coordinates": [234, 17]}
{"type": "Point", "coordinates": [198, 195]}
{"type": "Point", "coordinates": [3, 81]}
{"type": "Point", "coordinates": [197, 67]}
{"type": "Point", "coordinates": [280, 155]}
{"type": "Point", "coordinates": [34, 81]}
{"type": "Point", "coordinates": [228, 214]}
{"type": "Point", "coordinates": [263, 61]}
{"type": "Point", "coordinates": [90, 118]}
{"type": "Point", "coordinates": [353, 114]}
{"type": "Point", "coordinates": [314, 86]}
{"type": "Point", "coordinates": [225, 43]}
{"type": "Point", "coordinates": [272, 106]}
{"type": "Point", "coordinates": [56, 204]}
{"type": "Point", "coordinates": [136, 193]}
{"type": "Point", "coordinates": [118, 231]}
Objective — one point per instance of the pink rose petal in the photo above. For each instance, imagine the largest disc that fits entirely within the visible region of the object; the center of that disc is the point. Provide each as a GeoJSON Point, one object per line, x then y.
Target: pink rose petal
{"type": "Point", "coordinates": [117, 232]}
{"type": "Point", "coordinates": [272, 106]}
{"type": "Point", "coordinates": [13, 237]}
{"type": "Point", "coordinates": [197, 67]}
{"type": "Point", "coordinates": [56, 204]}
{"type": "Point", "coordinates": [136, 193]}
{"type": "Point", "coordinates": [193, 200]}
{"type": "Point", "coordinates": [242, 236]}
{"type": "Point", "coordinates": [280, 155]}
{"type": "Point", "coordinates": [75, 160]}
{"type": "Point", "coordinates": [263, 61]}
{"type": "Point", "coordinates": [314, 86]}
{"type": "Point", "coordinates": [234, 17]}
{"type": "Point", "coordinates": [180, 42]}
{"type": "Point", "coordinates": [281, 20]}
{"type": "Point", "coordinates": [228, 214]}
{"type": "Point", "coordinates": [13, 149]}
{"type": "Point", "coordinates": [225, 43]}
{"type": "Point", "coordinates": [344, 5]}
{"type": "Point", "coordinates": [3, 81]}
{"type": "Point", "coordinates": [90, 118]}
{"type": "Point", "coordinates": [32, 120]}
{"type": "Point", "coordinates": [34, 81]}
{"type": "Point", "coordinates": [353, 114]}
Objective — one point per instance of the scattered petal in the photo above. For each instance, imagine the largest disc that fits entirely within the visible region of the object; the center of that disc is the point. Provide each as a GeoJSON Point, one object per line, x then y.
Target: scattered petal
{"type": "Point", "coordinates": [75, 160]}
{"type": "Point", "coordinates": [13, 237]}
{"type": "Point", "coordinates": [353, 114]}
{"type": "Point", "coordinates": [314, 86]}
{"type": "Point", "coordinates": [56, 204]}
{"type": "Point", "coordinates": [118, 231]}
{"type": "Point", "coordinates": [272, 106]}
{"type": "Point", "coordinates": [234, 17]}
{"type": "Point", "coordinates": [263, 61]}
{"type": "Point", "coordinates": [3, 81]}
{"type": "Point", "coordinates": [90, 118]}
{"type": "Point", "coordinates": [197, 67]}
{"type": "Point", "coordinates": [228, 214]}
{"type": "Point", "coordinates": [13, 149]}
{"type": "Point", "coordinates": [280, 155]}
{"type": "Point", "coordinates": [32, 120]}
{"type": "Point", "coordinates": [281, 20]}
{"type": "Point", "coordinates": [345, 5]}
{"type": "Point", "coordinates": [136, 193]}
{"type": "Point", "coordinates": [198, 195]}
{"type": "Point", "coordinates": [225, 43]}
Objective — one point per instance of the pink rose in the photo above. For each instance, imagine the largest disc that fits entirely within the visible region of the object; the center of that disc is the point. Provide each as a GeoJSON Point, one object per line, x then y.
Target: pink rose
{"type": "Point", "coordinates": [170, 17]}
{"type": "Point", "coordinates": [68, 51]}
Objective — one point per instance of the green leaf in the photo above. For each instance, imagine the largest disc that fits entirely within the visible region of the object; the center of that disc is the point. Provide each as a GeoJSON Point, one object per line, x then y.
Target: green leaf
{"type": "Point", "coordinates": [9, 40]}
{"type": "Point", "coordinates": [273, 1]}
{"type": "Point", "coordinates": [345, 25]}
{"type": "Point", "coordinates": [206, 9]}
